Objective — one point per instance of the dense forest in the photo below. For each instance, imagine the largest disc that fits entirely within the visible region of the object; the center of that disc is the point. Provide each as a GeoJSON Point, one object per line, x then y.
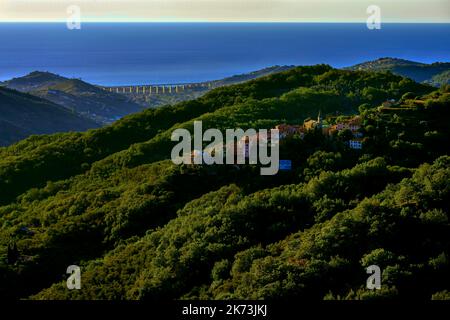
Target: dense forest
{"type": "Point", "coordinates": [140, 227]}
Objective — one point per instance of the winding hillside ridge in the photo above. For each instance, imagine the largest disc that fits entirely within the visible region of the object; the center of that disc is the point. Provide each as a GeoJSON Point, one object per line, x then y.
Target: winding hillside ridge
{"type": "Point", "coordinates": [22, 115]}
{"type": "Point", "coordinates": [430, 73]}
{"type": "Point", "coordinates": [111, 201]}
{"type": "Point", "coordinates": [76, 95]}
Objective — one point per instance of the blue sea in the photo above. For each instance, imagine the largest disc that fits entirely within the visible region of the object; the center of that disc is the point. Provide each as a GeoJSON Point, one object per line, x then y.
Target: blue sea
{"type": "Point", "coordinates": [159, 53]}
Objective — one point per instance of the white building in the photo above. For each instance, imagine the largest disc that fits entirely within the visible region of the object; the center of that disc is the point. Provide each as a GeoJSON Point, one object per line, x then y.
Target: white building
{"type": "Point", "coordinates": [355, 144]}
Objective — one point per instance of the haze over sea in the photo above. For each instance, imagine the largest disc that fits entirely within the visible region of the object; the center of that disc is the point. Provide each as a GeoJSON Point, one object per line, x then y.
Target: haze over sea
{"type": "Point", "coordinates": [159, 53]}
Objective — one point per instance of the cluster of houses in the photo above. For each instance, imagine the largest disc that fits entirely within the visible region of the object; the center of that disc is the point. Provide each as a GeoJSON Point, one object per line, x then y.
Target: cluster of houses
{"type": "Point", "coordinates": [242, 147]}
{"type": "Point", "coordinates": [353, 124]}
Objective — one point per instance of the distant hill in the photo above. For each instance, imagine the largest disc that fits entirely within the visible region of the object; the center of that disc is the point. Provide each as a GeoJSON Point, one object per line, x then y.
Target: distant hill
{"type": "Point", "coordinates": [251, 75]}
{"type": "Point", "coordinates": [428, 73]}
{"type": "Point", "coordinates": [22, 115]}
{"type": "Point", "coordinates": [76, 95]}
{"type": "Point", "coordinates": [440, 78]}
{"type": "Point", "coordinates": [173, 98]}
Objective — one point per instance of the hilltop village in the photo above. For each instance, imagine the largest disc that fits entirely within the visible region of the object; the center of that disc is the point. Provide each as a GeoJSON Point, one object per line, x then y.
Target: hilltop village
{"type": "Point", "coordinates": [352, 124]}
{"type": "Point", "coordinates": [242, 146]}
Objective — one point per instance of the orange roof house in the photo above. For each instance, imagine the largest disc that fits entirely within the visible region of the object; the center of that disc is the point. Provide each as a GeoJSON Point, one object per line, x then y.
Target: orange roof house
{"type": "Point", "coordinates": [287, 130]}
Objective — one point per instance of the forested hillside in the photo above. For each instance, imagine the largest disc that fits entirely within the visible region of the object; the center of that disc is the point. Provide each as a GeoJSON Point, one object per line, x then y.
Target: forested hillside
{"type": "Point", "coordinates": [435, 73]}
{"type": "Point", "coordinates": [76, 95]}
{"type": "Point", "coordinates": [141, 227]}
{"type": "Point", "coordinates": [22, 115]}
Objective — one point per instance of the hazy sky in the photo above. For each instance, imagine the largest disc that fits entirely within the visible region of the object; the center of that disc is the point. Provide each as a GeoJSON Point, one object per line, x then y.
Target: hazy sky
{"type": "Point", "coordinates": [227, 10]}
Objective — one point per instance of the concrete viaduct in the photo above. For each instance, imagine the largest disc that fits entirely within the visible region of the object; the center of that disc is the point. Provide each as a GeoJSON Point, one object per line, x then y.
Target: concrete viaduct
{"type": "Point", "coordinates": [159, 89]}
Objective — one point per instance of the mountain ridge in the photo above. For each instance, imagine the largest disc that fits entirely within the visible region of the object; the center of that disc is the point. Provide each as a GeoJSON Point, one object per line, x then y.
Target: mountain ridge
{"type": "Point", "coordinates": [76, 95]}
{"type": "Point", "coordinates": [419, 72]}
{"type": "Point", "coordinates": [22, 114]}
